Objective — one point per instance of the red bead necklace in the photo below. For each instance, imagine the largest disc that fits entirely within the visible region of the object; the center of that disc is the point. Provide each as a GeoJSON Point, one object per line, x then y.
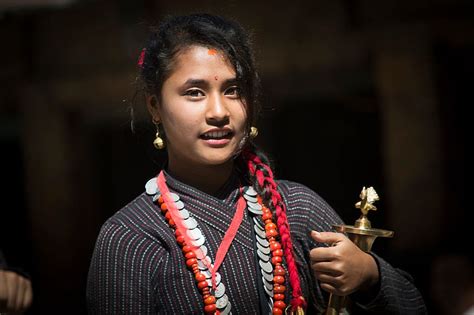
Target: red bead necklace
{"type": "Point", "coordinates": [191, 261]}
{"type": "Point", "coordinates": [277, 259]}
{"type": "Point", "coordinates": [189, 252]}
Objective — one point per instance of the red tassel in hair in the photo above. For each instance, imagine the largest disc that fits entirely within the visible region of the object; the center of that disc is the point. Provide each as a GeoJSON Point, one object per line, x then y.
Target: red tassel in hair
{"type": "Point", "coordinates": [298, 303]}
{"type": "Point", "coordinates": [141, 59]}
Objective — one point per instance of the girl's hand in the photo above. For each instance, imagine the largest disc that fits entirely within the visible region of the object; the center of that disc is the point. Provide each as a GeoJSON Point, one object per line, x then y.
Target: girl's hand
{"type": "Point", "coordinates": [342, 268]}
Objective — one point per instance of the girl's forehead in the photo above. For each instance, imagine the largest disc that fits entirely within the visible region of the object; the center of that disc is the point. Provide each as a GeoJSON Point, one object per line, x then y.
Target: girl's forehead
{"type": "Point", "coordinates": [203, 60]}
{"type": "Point", "coordinates": [203, 52]}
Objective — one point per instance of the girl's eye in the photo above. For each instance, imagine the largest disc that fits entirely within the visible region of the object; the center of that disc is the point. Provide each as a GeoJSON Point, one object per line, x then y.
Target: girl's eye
{"type": "Point", "coordinates": [194, 93]}
{"type": "Point", "coordinates": [233, 91]}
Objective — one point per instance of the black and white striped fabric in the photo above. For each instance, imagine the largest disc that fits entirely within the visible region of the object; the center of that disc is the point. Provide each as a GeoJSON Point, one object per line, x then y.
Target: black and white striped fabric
{"type": "Point", "coordinates": [138, 268]}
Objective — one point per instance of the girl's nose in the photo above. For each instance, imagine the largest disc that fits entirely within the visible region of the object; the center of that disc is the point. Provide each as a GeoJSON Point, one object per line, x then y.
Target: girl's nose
{"type": "Point", "coordinates": [217, 110]}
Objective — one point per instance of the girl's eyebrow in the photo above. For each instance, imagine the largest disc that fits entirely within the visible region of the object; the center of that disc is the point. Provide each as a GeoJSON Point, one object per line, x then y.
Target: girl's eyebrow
{"type": "Point", "coordinates": [202, 82]}
{"type": "Point", "coordinates": [195, 82]}
{"type": "Point", "coordinates": [231, 81]}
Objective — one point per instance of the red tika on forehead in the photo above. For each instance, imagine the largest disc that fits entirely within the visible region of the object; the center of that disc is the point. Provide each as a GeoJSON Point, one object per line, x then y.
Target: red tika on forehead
{"type": "Point", "coordinates": [212, 52]}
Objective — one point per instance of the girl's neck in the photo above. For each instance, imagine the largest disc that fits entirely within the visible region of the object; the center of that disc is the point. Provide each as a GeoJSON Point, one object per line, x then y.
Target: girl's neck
{"type": "Point", "coordinates": [207, 178]}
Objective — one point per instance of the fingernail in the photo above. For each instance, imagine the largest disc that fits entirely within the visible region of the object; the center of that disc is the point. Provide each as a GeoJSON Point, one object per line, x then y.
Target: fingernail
{"type": "Point", "coordinates": [315, 233]}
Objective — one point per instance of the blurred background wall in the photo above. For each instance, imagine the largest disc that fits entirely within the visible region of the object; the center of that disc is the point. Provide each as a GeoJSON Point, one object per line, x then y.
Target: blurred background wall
{"type": "Point", "coordinates": [357, 93]}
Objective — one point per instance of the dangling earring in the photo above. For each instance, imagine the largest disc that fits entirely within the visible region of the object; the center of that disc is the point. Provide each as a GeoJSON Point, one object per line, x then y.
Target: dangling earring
{"type": "Point", "coordinates": [158, 142]}
{"type": "Point", "coordinates": [253, 132]}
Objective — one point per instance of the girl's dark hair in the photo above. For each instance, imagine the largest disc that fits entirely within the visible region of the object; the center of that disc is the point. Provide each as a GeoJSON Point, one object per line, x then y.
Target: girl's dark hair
{"type": "Point", "coordinates": [177, 33]}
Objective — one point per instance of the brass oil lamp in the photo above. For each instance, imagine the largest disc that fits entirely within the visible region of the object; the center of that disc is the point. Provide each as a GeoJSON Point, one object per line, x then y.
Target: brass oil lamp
{"type": "Point", "coordinates": [363, 235]}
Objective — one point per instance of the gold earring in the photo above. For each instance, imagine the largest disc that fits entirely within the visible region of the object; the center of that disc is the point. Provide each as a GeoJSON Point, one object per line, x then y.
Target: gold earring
{"type": "Point", "coordinates": [158, 142]}
{"type": "Point", "coordinates": [253, 132]}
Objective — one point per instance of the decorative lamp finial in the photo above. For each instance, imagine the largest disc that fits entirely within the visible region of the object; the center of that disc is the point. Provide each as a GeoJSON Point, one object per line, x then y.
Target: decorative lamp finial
{"type": "Point", "coordinates": [367, 198]}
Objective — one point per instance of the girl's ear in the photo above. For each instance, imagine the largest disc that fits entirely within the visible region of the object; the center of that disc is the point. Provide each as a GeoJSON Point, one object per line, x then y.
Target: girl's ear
{"type": "Point", "coordinates": [152, 105]}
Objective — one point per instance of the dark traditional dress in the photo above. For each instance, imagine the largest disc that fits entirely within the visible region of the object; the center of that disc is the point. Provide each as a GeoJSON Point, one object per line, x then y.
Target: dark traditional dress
{"type": "Point", "coordinates": [138, 267]}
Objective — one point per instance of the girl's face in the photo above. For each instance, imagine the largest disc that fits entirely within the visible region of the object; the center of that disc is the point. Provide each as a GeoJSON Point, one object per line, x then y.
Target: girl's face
{"type": "Point", "coordinates": [202, 115]}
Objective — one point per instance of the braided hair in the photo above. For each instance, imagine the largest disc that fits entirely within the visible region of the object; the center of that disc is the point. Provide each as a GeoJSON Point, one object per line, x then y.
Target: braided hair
{"type": "Point", "coordinates": [264, 183]}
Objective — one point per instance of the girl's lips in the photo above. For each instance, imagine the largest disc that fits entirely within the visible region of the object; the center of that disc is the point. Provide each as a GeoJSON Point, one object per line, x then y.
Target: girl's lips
{"type": "Point", "coordinates": [217, 143]}
{"type": "Point", "coordinates": [217, 133]}
{"type": "Point", "coordinates": [217, 137]}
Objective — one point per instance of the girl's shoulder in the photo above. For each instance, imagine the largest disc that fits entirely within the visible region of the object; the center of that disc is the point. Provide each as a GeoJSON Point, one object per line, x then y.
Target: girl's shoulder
{"type": "Point", "coordinates": [140, 216]}
{"type": "Point", "coordinates": [299, 192]}
{"type": "Point", "coordinates": [307, 207]}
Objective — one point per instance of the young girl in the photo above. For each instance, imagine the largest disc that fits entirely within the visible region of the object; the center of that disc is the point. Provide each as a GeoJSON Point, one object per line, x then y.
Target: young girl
{"type": "Point", "coordinates": [214, 232]}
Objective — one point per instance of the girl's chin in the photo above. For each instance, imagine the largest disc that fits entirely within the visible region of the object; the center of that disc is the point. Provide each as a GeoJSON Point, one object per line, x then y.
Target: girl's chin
{"type": "Point", "coordinates": [219, 158]}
